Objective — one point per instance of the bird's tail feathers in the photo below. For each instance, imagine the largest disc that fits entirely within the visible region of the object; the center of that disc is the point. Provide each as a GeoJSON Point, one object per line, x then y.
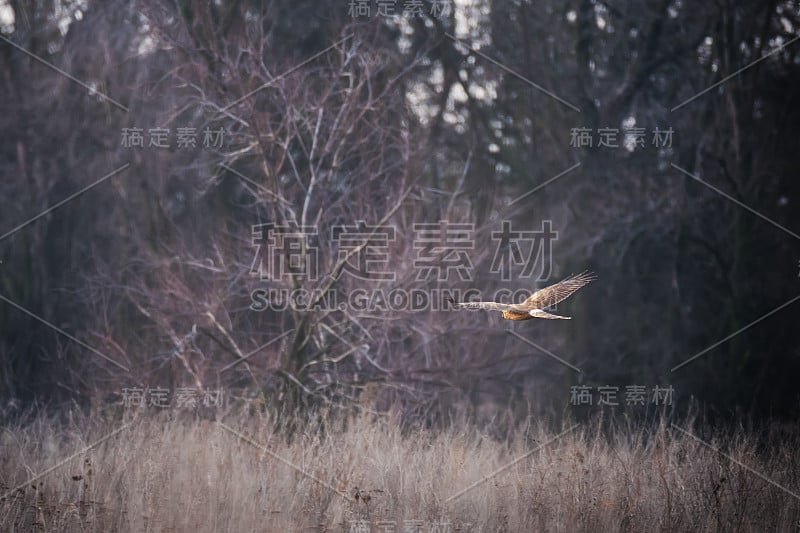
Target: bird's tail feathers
{"type": "Point", "coordinates": [538, 313]}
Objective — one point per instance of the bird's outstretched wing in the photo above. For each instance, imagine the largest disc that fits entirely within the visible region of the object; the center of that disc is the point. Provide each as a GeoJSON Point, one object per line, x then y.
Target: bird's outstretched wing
{"type": "Point", "coordinates": [491, 306]}
{"type": "Point", "coordinates": [560, 291]}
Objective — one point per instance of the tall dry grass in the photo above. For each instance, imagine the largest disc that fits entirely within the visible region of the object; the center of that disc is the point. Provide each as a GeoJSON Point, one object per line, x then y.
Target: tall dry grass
{"type": "Point", "coordinates": [169, 473]}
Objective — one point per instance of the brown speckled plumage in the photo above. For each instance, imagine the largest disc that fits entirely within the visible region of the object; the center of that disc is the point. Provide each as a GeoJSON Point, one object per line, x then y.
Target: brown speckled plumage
{"type": "Point", "coordinates": [533, 306]}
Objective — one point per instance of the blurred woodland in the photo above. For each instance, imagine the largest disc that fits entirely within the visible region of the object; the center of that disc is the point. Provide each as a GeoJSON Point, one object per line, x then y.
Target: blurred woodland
{"type": "Point", "coordinates": [331, 118]}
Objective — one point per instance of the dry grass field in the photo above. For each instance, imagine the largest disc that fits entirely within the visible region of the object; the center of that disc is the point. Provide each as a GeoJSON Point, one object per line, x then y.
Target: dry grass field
{"type": "Point", "coordinates": [167, 473]}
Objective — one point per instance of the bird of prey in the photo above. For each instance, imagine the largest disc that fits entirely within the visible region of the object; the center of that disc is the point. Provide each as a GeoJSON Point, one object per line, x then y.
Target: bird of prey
{"type": "Point", "coordinates": [534, 305]}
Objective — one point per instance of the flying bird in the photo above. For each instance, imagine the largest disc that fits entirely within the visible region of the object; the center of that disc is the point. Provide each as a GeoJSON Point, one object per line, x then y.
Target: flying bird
{"type": "Point", "coordinates": [534, 305]}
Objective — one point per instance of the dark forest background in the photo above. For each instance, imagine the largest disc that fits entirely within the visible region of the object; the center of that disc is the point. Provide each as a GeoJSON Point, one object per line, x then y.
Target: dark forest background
{"type": "Point", "coordinates": [398, 123]}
